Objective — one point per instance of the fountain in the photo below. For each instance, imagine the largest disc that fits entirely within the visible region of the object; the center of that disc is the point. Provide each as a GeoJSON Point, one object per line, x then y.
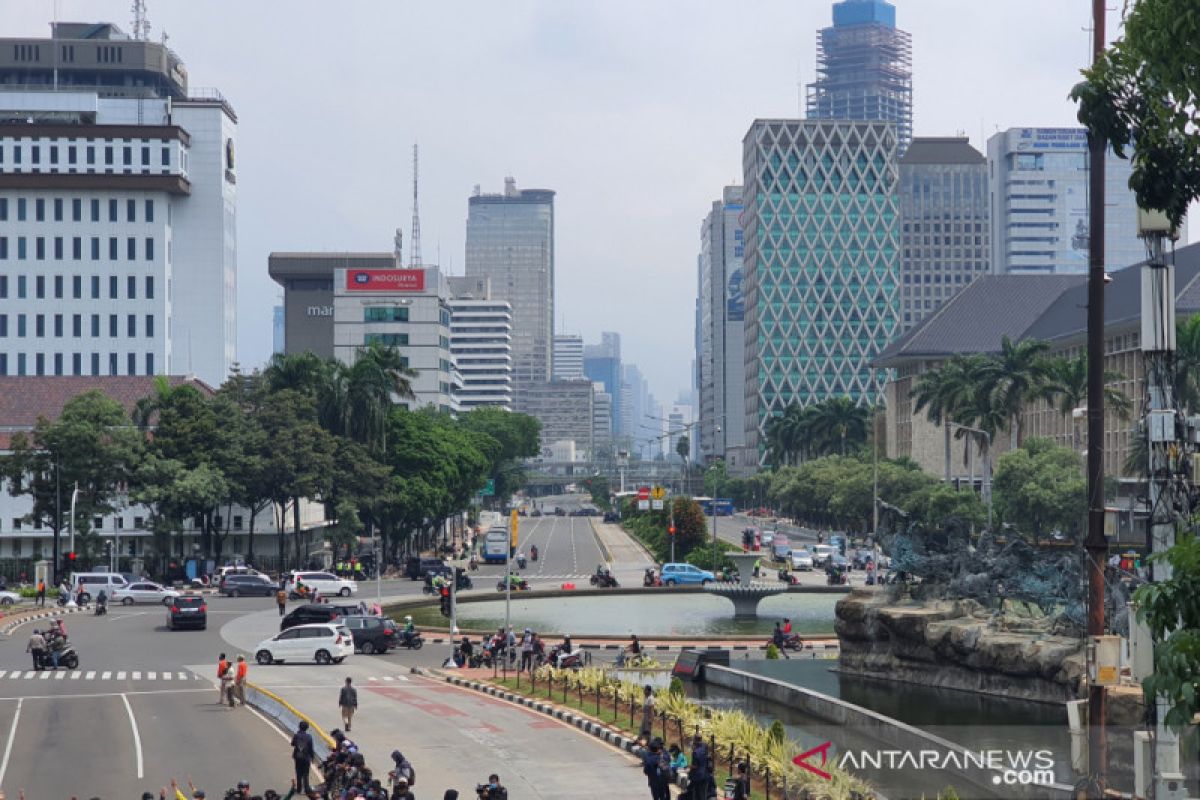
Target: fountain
{"type": "Point", "coordinates": [745, 594]}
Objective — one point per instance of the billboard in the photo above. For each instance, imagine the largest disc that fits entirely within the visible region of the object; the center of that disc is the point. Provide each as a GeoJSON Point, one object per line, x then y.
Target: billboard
{"type": "Point", "coordinates": [385, 280]}
{"type": "Point", "coordinates": [735, 310]}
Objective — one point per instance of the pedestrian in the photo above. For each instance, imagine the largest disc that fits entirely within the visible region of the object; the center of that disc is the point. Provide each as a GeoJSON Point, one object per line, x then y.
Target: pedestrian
{"type": "Point", "coordinates": [741, 783]}
{"type": "Point", "coordinates": [37, 646]}
{"type": "Point", "coordinates": [647, 711]}
{"type": "Point", "coordinates": [239, 680]}
{"type": "Point", "coordinates": [41, 593]}
{"type": "Point", "coordinates": [281, 601]}
{"type": "Point", "coordinates": [451, 794]}
{"type": "Point", "coordinates": [302, 756]}
{"type": "Point", "coordinates": [348, 702]}
{"type": "Point", "coordinates": [698, 772]}
{"type": "Point", "coordinates": [527, 650]}
{"type": "Point", "coordinates": [222, 677]}
{"type": "Point", "coordinates": [401, 792]}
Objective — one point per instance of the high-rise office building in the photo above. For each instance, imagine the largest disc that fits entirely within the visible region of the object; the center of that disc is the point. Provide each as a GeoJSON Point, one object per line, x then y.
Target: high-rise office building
{"type": "Point", "coordinates": [566, 410]}
{"type": "Point", "coordinates": [510, 239]}
{"type": "Point", "coordinates": [822, 265]}
{"type": "Point", "coordinates": [602, 364]}
{"type": "Point", "coordinates": [602, 412]}
{"type": "Point", "coordinates": [1039, 187]}
{"type": "Point", "coordinates": [721, 361]}
{"type": "Point", "coordinates": [118, 210]}
{"type": "Point", "coordinates": [568, 357]}
{"type": "Point", "coordinates": [945, 226]}
{"type": "Point", "coordinates": [864, 68]}
{"type": "Point", "coordinates": [481, 345]}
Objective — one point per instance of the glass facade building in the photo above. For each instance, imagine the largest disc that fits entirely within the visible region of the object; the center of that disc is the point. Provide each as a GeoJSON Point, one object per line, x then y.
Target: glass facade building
{"type": "Point", "coordinates": [510, 239]}
{"type": "Point", "coordinates": [822, 263]}
{"type": "Point", "coordinates": [864, 68]}
{"type": "Point", "coordinates": [945, 224]}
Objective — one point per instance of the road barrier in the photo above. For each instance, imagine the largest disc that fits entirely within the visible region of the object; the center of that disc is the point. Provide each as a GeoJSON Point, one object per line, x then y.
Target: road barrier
{"type": "Point", "coordinates": [286, 716]}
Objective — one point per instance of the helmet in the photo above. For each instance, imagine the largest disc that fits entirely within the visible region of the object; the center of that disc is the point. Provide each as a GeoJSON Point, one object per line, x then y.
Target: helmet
{"type": "Point", "coordinates": [408, 617]}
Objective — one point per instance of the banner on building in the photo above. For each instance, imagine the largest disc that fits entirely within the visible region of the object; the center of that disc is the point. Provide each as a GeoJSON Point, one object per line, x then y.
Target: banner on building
{"type": "Point", "coordinates": [385, 280]}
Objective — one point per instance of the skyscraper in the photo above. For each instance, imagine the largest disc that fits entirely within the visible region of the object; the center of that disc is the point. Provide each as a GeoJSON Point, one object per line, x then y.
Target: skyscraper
{"type": "Point", "coordinates": [118, 210]}
{"type": "Point", "coordinates": [945, 225]}
{"type": "Point", "coordinates": [510, 239]}
{"type": "Point", "coordinates": [602, 363]}
{"type": "Point", "coordinates": [822, 264]}
{"type": "Point", "coordinates": [721, 362]}
{"type": "Point", "coordinates": [1039, 187]}
{"type": "Point", "coordinates": [864, 68]}
{"type": "Point", "coordinates": [568, 357]}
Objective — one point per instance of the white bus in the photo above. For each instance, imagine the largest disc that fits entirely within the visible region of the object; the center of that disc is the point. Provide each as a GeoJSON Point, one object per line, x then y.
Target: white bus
{"type": "Point", "coordinates": [495, 546]}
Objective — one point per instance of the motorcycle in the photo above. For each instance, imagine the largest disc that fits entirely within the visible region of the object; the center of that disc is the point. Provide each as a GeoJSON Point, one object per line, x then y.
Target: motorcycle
{"type": "Point", "coordinates": [533, 554]}
{"type": "Point", "coordinates": [792, 642]}
{"type": "Point", "coordinates": [520, 561]}
{"type": "Point", "coordinates": [518, 585]}
{"type": "Point", "coordinates": [651, 579]}
{"type": "Point", "coordinates": [67, 657]}
{"type": "Point", "coordinates": [463, 581]}
{"type": "Point", "coordinates": [838, 578]}
{"type": "Point", "coordinates": [563, 659]}
{"type": "Point", "coordinates": [301, 593]}
{"type": "Point", "coordinates": [101, 608]}
{"type": "Point", "coordinates": [604, 580]}
{"type": "Point", "coordinates": [788, 577]}
{"type": "Point", "coordinates": [412, 640]}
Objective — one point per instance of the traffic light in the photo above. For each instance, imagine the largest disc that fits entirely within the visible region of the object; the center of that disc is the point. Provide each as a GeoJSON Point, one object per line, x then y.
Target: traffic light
{"type": "Point", "coordinates": [671, 530]}
{"type": "Point", "coordinates": [71, 557]}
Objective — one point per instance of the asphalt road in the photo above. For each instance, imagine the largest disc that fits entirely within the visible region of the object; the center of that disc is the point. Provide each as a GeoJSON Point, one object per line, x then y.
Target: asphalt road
{"type": "Point", "coordinates": [140, 709]}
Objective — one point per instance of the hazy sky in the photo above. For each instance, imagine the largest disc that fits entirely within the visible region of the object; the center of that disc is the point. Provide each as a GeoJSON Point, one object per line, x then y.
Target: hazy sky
{"type": "Point", "coordinates": [632, 110]}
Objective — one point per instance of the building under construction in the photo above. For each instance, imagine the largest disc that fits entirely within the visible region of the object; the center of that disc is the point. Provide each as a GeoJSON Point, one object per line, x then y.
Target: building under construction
{"type": "Point", "coordinates": [864, 68]}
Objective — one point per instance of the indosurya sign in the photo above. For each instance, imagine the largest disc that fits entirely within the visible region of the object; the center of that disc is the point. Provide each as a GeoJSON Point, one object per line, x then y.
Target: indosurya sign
{"type": "Point", "coordinates": [385, 280]}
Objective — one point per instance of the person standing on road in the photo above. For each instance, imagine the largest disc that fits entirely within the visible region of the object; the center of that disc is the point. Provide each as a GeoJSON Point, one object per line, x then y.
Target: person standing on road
{"type": "Point", "coordinates": [41, 593]}
{"type": "Point", "coordinates": [647, 711]}
{"type": "Point", "coordinates": [348, 702]}
{"type": "Point", "coordinates": [239, 679]}
{"type": "Point", "coordinates": [222, 677]}
{"type": "Point", "coordinates": [302, 756]}
{"type": "Point", "coordinates": [281, 601]}
{"type": "Point", "coordinates": [36, 646]}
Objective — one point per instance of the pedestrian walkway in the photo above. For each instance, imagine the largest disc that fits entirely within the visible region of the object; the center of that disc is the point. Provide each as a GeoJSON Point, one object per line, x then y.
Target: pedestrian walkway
{"type": "Point", "coordinates": [98, 675]}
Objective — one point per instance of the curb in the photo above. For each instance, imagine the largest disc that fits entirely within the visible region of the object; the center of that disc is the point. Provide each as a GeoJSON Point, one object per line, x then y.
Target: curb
{"type": "Point", "coordinates": [11, 625]}
{"type": "Point", "coordinates": [600, 542]}
{"type": "Point", "coordinates": [604, 734]}
{"type": "Point", "coordinates": [825, 647]}
{"type": "Point", "coordinates": [286, 716]}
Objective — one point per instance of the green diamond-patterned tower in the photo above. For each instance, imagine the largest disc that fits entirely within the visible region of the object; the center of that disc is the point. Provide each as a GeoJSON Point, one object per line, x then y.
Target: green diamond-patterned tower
{"type": "Point", "coordinates": [822, 263]}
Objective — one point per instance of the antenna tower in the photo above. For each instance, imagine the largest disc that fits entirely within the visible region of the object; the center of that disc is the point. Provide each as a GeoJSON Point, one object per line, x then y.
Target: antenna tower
{"type": "Point", "coordinates": [141, 25]}
{"type": "Point", "coordinates": [414, 245]}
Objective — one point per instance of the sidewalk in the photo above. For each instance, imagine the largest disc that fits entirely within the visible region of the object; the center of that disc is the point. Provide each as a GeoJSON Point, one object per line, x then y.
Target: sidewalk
{"type": "Point", "coordinates": [455, 737]}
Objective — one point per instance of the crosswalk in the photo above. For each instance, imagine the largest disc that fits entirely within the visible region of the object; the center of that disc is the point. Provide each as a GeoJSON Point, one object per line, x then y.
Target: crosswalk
{"type": "Point", "coordinates": [162, 676]}
{"type": "Point", "coordinates": [388, 679]}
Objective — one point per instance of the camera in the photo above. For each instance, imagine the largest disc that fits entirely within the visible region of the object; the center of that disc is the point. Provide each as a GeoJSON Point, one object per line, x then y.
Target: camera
{"type": "Point", "coordinates": [483, 791]}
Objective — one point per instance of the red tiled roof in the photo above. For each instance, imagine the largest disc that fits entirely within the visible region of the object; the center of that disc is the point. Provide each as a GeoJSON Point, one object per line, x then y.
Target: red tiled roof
{"type": "Point", "coordinates": [24, 399]}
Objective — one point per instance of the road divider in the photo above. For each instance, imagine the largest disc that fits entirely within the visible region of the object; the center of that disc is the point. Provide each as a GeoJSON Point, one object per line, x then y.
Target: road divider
{"type": "Point", "coordinates": [288, 717]}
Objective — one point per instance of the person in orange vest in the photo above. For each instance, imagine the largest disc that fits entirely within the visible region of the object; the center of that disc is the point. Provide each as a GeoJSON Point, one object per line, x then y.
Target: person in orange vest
{"type": "Point", "coordinates": [41, 593]}
{"type": "Point", "coordinates": [239, 681]}
{"type": "Point", "coordinates": [222, 677]}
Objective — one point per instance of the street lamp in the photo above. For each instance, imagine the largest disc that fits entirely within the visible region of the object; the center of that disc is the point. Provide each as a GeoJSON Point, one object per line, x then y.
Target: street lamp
{"type": "Point", "coordinates": [987, 480]}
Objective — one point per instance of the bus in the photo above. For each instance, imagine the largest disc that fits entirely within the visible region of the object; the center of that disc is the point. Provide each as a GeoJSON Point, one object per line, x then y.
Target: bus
{"type": "Point", "coordinates": [495, 546]}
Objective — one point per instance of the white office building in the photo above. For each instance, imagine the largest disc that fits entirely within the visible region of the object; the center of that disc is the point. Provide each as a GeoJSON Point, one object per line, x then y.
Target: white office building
{"type": "Point", "coordinates": [118, 210]}
{"type": "Point", "coordinates": [481, 349]}
{"type": "Point", "coordinates": [1039, 200]}
{"type": "Point", "coordinates": [568, 357]}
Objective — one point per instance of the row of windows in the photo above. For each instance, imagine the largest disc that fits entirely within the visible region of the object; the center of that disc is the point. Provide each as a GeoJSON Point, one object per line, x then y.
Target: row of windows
{"type": "Point", "coordinates": [57, 250]}
{"type": "Point", "coordinates": [386, 339]}
{"type": "Point", "coordinates": [960, 277]}
{"type": "Point", "coordinates": [58, 286]}
{"type": "Point", "coordinates": [139, 523]}
{"type": "Point", "coordinates": [107, 153]}
{"type": "Point", "coordinates": [57, 208]}
{"type": "Point", "coordinates": [39, 325]}
{"type": "Point", "coordinates": [385, 314]}
{"type": "Point", "coordinates": [21, 364]}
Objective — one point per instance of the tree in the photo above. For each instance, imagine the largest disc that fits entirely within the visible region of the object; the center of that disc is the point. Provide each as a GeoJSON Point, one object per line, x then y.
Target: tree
{"type": "Point", "coordinates": [1014, 377]}
{"type": "Point", "coordinates": [1040, 489]}
{"type": "Point", "coordinates": [1171, 609]}
{"type": "Point", "coordinates": [518, 436]}
{"type": "Point", "coordinates": [691, 526]}
{"type": "Point", "coordinates": [1187, 363]}
{"type": "Point", "coordinates": [787, 434]}
{"type": "Point", "coordinates": [837, 424]}
{"type": "Point", "coordinates": [684, 447]}
{"type": "Point", "coordinates": [946, 391]}
{"type": "Point", "coordinates": [1066, 388]}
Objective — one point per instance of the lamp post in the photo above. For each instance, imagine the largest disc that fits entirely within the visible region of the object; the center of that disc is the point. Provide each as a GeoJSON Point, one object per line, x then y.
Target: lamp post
{"type": "Point", "coordinates": [987, 481]}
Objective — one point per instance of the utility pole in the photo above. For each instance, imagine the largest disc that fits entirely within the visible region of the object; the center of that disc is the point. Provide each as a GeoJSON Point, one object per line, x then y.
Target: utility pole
{"type": "Point", "coordinates": [58, 520]}
{"type": "Point", "coordinates": [1095, 545]}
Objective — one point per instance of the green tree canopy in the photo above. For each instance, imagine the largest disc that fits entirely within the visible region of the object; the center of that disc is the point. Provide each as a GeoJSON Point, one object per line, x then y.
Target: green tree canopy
{"type": "Point", "coordinates": [1040, 488]}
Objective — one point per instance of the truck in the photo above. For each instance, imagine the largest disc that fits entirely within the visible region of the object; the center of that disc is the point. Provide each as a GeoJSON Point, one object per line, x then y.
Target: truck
{"type": "Point", "coordinates": [495, 546]}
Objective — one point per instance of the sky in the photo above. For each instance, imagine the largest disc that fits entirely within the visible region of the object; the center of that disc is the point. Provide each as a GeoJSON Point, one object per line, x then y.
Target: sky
{"type": "Point", "coordinates": [633, 111]}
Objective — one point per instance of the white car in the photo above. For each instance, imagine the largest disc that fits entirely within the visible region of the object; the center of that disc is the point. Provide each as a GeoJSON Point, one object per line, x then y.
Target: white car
{"type": "Point", "coordinates": [326, 583]}
{"type": "Point", "coordinates": [802, 560]}
{"type": "Point", "coordinates": [821, 553]}
{"type": "Point", "coordinates": [143, 592]}
{"type": "Point", "coordinates": [9, 598]}
{"type": "Point", "coordinates": [768, 537]}
{"type": "Point", "coordinates": [324, 643]}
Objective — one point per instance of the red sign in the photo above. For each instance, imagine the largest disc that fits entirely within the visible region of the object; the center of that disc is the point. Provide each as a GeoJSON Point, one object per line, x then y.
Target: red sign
{"type": "Point", "coordinates": [385, 280]}
{"type": "Point", "coordinates": [644, 493]}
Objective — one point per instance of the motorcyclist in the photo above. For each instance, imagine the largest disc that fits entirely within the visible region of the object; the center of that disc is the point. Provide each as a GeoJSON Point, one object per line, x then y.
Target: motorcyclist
{"type": "Point", "coordinates": [521, 560]}
{"type": "Point", "coordinates": [101, 603]}
{"type": "Point", "coordinates": [533, 552]}
{"type": "Point", "coordinates": [409, 631]}
{"type": "Point", "coordinates": [474, 562]}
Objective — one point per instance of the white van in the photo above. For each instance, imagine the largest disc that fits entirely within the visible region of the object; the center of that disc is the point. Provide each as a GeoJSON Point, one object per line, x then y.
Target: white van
{"type": "Point", "coordinates": [93, 582]}
{"type": "Point", "coordinates": [821, 554]}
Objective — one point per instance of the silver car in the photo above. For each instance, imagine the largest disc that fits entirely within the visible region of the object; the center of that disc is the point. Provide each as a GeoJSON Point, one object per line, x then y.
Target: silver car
{"type": "Point", "coordinates": [143, 592]}
{"type": "Point", "coordinates": [802, 560]}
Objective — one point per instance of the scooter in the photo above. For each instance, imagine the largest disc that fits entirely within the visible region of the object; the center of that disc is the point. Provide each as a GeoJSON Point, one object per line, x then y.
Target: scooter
{"type": "Point", "coordinates": [651, 579]}
{"type": "Point", "coordinates": [101, 608]}
{"type": "Point", "coordinates": [604, 580]}
{"type": "Point", "coordinates": [533, 553]}
{"type": "Point", "coordinates": [518, 585]}
{"type": "Point", "coordinates": [520, 561]}
{"type": "Point", "coordinates": [67, 657]}
{"type": "Point", "coordinates": [788, 577]}
{"type": "Point", "coordinates": [412, 640]}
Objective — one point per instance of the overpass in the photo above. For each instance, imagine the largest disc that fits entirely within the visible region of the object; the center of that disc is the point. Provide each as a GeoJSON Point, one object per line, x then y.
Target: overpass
{"type": "Point", "coordinates": [545, 475]}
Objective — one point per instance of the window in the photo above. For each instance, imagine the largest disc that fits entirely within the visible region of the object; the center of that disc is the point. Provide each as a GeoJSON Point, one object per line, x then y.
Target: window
{"type": "Point", "coordinates": [149, 287]}
{"type": "Point", "coordinates": [112, 210]}
{"type": "Point", "coordinates": [95, 363]}
{"type": "Point", "coordinates": [72, 154]}
{"type": "Point", "coordinates": [77, 248]}
{"type": "Point", "coordinates": [39, 325]}
{"type": "Point", "coordinates": [95, 326]}
{"type": "Point", "coordinates": [39, 248]}
{"type": "Point", "coordinates": [36, 152]}
{"type": "Point", "coordinates": [22, 253]}
{"type": "Point", "coordinates": [20, 287]}
{"type": "Point", "coordinates": [3, 363]}
{"type": "Point", "coordinates": [17, 154]}
{"type": "Point", "coordinates": [112, 364]}
{"type": "Point", "coordinates": [112, 327]}
{"type": "Point", "coordinates": [58, 326]}
{"type": "Point", "coordinates": [127, 155]}
{"type": "Point", "coordinates": [20, 364]}
{"type": "Point", "coordinates": [76, 364]}
{"type": "Point", "coordinates": [76, 210]}
{"type": "Point", "coordinates": [39, 287]}
{"type": "Point", "coordinates": [4, 248]}
{"type": "Point", "coordinates": [3, 325]}
{"type": "Point", "coordinates": [95, 287]}
{"type": "Point", "coordinates": [58, 287]}
{"type": "Point", "coordinates": [131, 287]}
{"type": "Point", "coordinates": [149, 325]}
{"type": "Point", "coordinates": [385, 314]}
{"type": "Point", "coordinates": [149, 249]}
{"type": "Point", "coordinates": [386, 339]}
{"type": "Point", "coordinates": [149, 363]}
{"type": "Point", "coordinates": [145, 156]}
{"type": "Point", "coordinates": [58, 248]}
{"type": "Point", "coordinates": [131, 210]}
{"type": "Point", "coordinates": [3, 208]}
{"type": "Point", "coordinates": [91, 154]}
{"type": "Point", "coordinates": [95, 210]}
{"type": "Point", "coordinates": [149, 211]}
{"type": "Point", "coordinates": [130, 249]}
{"type": "Point", "coordinates": [58, 209]}
{"type": "Point", "coordinates": [77, 325]}
{"type": "Point", "coordinates": [39, 209]}
{"type": "Point", "coordinates": [20, 326]}
{"type": "Point", "coordinates": [112, 288]}
{"type": "Point", "coordinates": [131, 364]}
{"type": "Point", "coordinates": [166, 157]}
{"type": "Point", "coordinates": [112, 248]}
{"type": "Point", "coordinates": [108, 157]}
{"type": "Point", "coordinates": [131, 326]}
{"type": "Point", "coordinates": [20, 209]}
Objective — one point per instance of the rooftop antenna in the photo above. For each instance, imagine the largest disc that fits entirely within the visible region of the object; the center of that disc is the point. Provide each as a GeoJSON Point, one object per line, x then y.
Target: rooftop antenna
{"type": "Point", "coordinates": [399, 246]}
{"type": "Point", "coordinates": [141, 25]}
{"type": "Point", "coordinates": [414, 246]}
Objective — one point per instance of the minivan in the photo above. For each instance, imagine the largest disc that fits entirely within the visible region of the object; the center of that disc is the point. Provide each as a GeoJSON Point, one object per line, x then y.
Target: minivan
{"type": "Point", "coordinates": [93, 582]}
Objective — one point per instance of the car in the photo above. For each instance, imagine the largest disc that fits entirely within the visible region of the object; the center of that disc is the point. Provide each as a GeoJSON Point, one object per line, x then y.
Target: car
{"type": "Point", "coordinates": [767, 538]}
{"type": "Point", "coordinates": [142, 592]}
{"type": "Point", "coordinates": [92, 582]}
{"type": "Point", "coordinates": [324, 643]}
{"type": "Point", "coordinates": [839, 562]}
{"type": "Point", "coordinates": [612, 516]}
{"type": "Point", "coordinates": [802, 560]}
{"type": "Point", "coordinates": [239, 585]}
{"type": "Point", "coordinates": [188, 611]}
{"type": "Point", "coordinates": [537, 512]}
{"type": "Point", "coordinates": [820, 554]}
{"type": "Point", "coordinates": [417, 567]}
{"type": "Point", "coordinates": [8, 598]}
{"type": "Point", "coordinates": [324, 582]}
{"type": "Point", "coordinates": [861, 557]}
{"type": "Point", "coordinates": [372, 634]}
{"type": "Point", "coordinates": [672, 574]}
{"type": "Point", "coordinates": [237, 570]}
{"type": "Point", "coordinates": [309, 615]}
{"type": "Point", "coordinates": [560, 512]}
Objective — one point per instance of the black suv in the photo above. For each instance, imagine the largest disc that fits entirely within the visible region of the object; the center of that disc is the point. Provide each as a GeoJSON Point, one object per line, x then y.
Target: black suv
{"type": "Point", "coordinates": [309, 614]}
{"type": "Point", "coordinates": [187, 611]}
{"type": "Point", "coordinates": [416, 568]}
{"type": "Point", "coordinates": [247, 585]}
{"type": "Point", "coordinates": [372, 634]}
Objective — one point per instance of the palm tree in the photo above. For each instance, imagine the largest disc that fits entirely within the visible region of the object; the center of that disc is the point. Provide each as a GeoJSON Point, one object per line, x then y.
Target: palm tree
{"type": "Point", "coordinates": [378, 378]}
{"type": "Point", "coordinates": [1066, 389]}
{"type": "Point", "coordinates": [946, 391]}
{"type": "Point", "coordinates": [1017, 374]}
{"type": "Point", "coordinates": [786, 435]}
{"type": "Point", "coordinates": [836, 422]}
{"type": "Point", "coordinates": [1187, 363]}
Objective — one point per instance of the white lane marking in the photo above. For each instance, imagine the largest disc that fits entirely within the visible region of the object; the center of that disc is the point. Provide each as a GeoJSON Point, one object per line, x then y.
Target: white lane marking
{"type": "Point", "coordinates": [3, 672]}
{"type": "Point", "coordinates": [91, 674]}
{"type": "Point", "coordinates": [150, 676]}
{"type": "Point", "coordinates": [76, 675]}
{"type": "Point", "coordinates": [12, 734]}
{"type": "Point", "coordinates": [29, 675]}
{"type": "Point", "coordinates": [105, 675]}
{"type": "Point", "coordinates": [16, 674]}
{"type": "Point", "coordinates": [58, 676]}
{"type": "Point", "coordinates": [137, 737]}
{"type": "Point", "coordinates": [167, 676]}
{"type": "Point", "coordinates": [120, 675]}
{"type": "Point", "coordinates": [45, 675]}
{"type": "Point", "coordinates": [183, 676]}
{"type": "Point", "coordinates": [385, 677]}
{"type": "Point", "coordinates": [137, 676]}
{"type": "Point", "coordinates": [62, 696]}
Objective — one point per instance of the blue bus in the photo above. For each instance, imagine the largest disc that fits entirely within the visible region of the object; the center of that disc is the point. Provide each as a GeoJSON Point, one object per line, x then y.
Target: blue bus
{"type": "Point", "coordinates": [721, 507]}
{"type": "Point", "coordinates": [495, 546]}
